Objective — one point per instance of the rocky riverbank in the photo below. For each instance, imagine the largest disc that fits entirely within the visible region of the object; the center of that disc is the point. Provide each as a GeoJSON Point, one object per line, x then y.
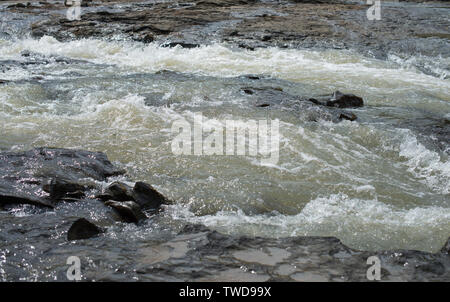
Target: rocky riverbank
{"type": "Point", "coordinates": [50, 178]}
{"type": "Point", "coordinates": [58, 202]}
{"type": "Point", "coordinates": [406, 29]}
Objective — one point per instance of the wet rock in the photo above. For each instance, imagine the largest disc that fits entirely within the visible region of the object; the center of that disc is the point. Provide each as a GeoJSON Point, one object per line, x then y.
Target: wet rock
{"type": "Point", "coordinates": [59, 188]}
{"type": "Point", "coordinates": [436, 268]}
{"type": "Point", "coordinates": [142, 195]}
{"type": "Point", "coordinates": [340, 100]}
{"type": "Point", "coordinates": [83, 229]}
{"type": "Point", "coordinates": [147, 38]}
{"type": "Point", "coordinates": [11, 196]}
{"type": "Point", "coordinates": [118, 191]}
{"type": "Point", "coordinates": [348, 116]}
{"type": "Point", "coordinates": [44, 175]}
{"type": "Point", "coordinates": [3, 81]}
{"type": "Point", "coordinates": [308, 258]}
{"type": "Point", "coordinates": [311, 109]}
{"type": "Point", "coordinates": [129, 211]}
{"type": "Point", "coordinates": [434, 131]}
{"type": "Point", "coordinates": [17, 5]}
{"type": "Point", "coordinates": [147, 197]}
{"type": "Point", "coordinates": [262, 105]}
{"type": "Point", "coordinates": [181, 44]}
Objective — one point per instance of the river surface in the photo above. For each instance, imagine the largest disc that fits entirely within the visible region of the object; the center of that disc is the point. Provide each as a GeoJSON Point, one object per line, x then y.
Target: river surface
{"type": "Point", "coordinates": [375, 183]}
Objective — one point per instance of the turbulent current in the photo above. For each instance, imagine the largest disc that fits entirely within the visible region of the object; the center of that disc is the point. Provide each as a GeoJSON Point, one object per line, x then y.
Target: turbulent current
{"type": "Point", "coordinates": [380, 182]}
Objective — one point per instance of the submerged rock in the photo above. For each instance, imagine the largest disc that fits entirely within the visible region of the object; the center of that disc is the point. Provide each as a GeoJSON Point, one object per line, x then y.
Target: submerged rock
{"type": "Point", "coordinates": [83, 229]}
{"type": "Point", "coordinates": [129, 211]}
{"type": "Point", "coordinates": [312, 109]}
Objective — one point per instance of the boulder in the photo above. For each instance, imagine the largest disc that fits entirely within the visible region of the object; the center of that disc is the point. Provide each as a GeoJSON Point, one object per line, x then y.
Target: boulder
{"type": "Point", "coordinates": [147, 197]}
{"type": "Point", "coordinates": [83, 229]}
{"type": "Point", "coordinates": [129, 211]}
{"type": "Point", "coordinates": [119, 191]}
{"type": "Point", "coordinates": [340, 100]}
{"type": "Point", "coordinates": [43, 176]}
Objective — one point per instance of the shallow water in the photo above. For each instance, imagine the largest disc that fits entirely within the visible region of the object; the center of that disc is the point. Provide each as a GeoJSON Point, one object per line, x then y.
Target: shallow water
{"type": "Point", "coordinates": [374, 183]}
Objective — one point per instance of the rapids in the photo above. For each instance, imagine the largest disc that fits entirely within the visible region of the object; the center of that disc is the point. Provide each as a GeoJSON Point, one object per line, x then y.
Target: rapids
{"type": "Point", "coordinates": [377, 183]}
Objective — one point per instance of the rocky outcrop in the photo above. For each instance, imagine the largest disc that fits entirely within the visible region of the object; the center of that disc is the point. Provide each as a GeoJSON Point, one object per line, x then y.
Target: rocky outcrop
{"type": "Point", "coordinates": [330, 24]}
{"type": "Point", "coordinates": [44, 176]}
{"type": "Point", "coordinates": [130, 202]}
{"type": "Point", "coordinates": [83, 229]}
{"type": "Point", "coordinates": [313, 109]}
{"type": "Point", "coordinates": [212, 256]}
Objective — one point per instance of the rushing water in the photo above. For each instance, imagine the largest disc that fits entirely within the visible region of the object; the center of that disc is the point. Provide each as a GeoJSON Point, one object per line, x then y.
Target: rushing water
{"type": "Point", "coordinates": [373, 183]}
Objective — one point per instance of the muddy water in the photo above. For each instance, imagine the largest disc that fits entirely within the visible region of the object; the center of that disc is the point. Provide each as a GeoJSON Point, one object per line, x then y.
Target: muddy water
{"type": "Point", "coordinates": [376, 183]}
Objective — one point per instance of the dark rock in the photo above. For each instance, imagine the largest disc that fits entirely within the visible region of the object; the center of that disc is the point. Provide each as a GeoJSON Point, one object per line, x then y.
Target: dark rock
{"type": "Point", "coordinates": [24, 198]}
{"type": "Point", "coordinates": [347, 116]}
{"type": "Point", "coordinates": [83, 229]}
{"type": "Point", "coordinates": [119, 191]}
{"type": "Point", "coordinates": [446, 248]}
{"type": "Point", "coordinates": [129, 211]}
{"type": "Point", "coordinates": [317, 102]}
{"type": "Point", "coordinates": [341, 100]}
{"type": "Point", "coordinates": [182, 44]}
{"type": "Point", "coordinates": [252, 77]}
{"type": "Point", "coordinates": [147, 197]}
{"type": "Point", "coordinates": [246, 46]}
{"type": "Point", "coordinates": [58, 188]}
{"type": "Point", "coordinates": [3, 81]}
{"type": "Point", "coordinates": [435, 268]}
{"type": "Point", "coordinates": [434, 131]}
{"type": "Point", "coordinates": [193, 229]}
{"type": "Point", "coordinates": [142, 195]}
{"type": "Point", "coordinates": [43, 175]}
{"type": "Point", "coordinates": [147, 39]}
{"type": "Point", "coordinates": [17, 5]}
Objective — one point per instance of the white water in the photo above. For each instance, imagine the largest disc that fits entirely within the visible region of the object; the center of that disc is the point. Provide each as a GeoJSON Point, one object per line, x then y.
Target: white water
{"type": "Point", "coordinates": [368, 183]}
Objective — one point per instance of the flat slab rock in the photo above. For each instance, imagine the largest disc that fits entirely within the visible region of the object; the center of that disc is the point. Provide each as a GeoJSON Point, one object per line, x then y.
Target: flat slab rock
{"type": "Point", "coordinates": [199, 254]}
